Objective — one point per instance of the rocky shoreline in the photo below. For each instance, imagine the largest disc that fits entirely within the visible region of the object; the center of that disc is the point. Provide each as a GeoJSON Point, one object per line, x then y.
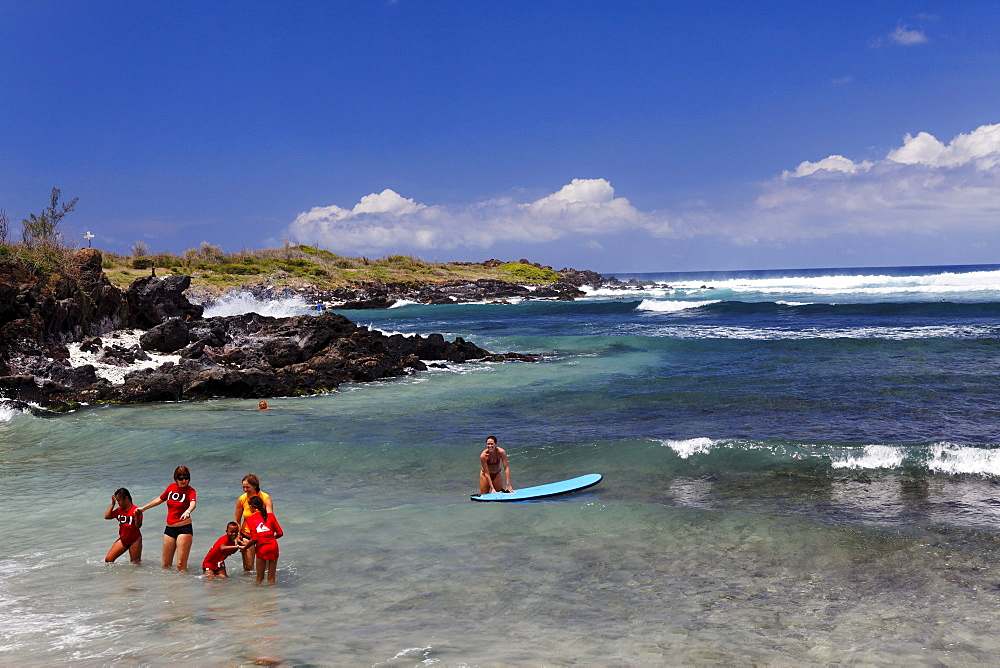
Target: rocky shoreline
{"type": "Point", "coordinates": [385, 294]}
{"type": "Point", "coordinates": [176, 354]}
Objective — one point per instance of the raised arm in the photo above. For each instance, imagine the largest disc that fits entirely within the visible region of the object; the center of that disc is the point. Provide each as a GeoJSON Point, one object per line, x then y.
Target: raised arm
{"type": "Point", "coordinates": [109, 514]}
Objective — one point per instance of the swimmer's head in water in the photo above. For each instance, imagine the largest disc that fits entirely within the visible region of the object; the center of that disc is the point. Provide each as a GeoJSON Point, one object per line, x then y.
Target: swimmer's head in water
{"type": "Point", "coordinates": [262, 406]}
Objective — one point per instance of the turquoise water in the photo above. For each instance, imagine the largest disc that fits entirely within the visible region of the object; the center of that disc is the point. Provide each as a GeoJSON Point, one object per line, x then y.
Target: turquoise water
{"type": "Point", "coordinates": [796, 468]}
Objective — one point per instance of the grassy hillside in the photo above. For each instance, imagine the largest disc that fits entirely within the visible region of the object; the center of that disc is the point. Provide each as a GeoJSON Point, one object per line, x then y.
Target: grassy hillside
{"type": "Point", "coordinates": [213, 270]}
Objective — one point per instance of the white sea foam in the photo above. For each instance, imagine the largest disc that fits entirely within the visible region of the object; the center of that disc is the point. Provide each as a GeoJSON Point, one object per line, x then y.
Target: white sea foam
{"type": "Point", "coordinates": [386, 332]}
{"type": "Point", "coordinates": [946, 458]}
{"type": "Point", "coordinates": [239, 302]}
{"type": "Point", "coordinates": [874, 456]}
{"type": "Point", "coordinates": [951, 458]}
{"type": "Point", "coordinates": [955, 285]}
{"type": "Point", "coordinates": [8, 414]}
{"type": "Point", "coordinates": [126, 338]}
{"type": "Point", "coordinates": [405, 654]}
{"type": "Point", "coordinates": [652, 292]}
{"type": "Point", "coordinates": [672, 306]}
{"type": "Point", "coordinates": [697, 331]}
{"type": "Point", "coordinates": [691, 446]}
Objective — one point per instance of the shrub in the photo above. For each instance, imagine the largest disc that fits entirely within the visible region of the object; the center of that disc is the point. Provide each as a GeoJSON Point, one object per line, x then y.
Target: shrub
{"type": "Point", "coordinates": [529, 272]}
{"type": "Point", "coordinates": [167, 260]}
{"type": "Point", "coordinates": [238, 269]}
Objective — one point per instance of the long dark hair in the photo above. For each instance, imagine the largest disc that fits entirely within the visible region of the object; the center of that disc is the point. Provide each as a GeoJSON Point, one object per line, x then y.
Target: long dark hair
{"type": "Point", "coordinates": [258, 505]}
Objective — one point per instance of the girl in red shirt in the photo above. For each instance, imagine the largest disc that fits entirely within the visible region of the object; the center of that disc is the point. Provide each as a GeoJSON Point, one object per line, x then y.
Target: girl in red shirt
{"type": "Point", "coordinates": [181, 501]}
{"type": "Point", "coordinates": [265, 532]}
{"type": "Point", "coordinates": [129, 518]}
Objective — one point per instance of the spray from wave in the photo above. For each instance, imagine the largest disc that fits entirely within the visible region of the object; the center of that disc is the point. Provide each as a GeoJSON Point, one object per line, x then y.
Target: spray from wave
{"type": "Point", "coordinates": [240, 302]}
{"type": "Point", "coordinates": [937, 458]}
{"type": "Point", "coordinates": [914, 284]}
{"type": "Point", "coordinates": [7, 414]}
{"type": "Point", "coordinates": [671, 306]}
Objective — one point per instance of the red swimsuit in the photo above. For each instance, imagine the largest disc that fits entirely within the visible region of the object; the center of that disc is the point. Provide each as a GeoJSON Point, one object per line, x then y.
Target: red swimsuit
{"type": "Point", "coordinates": [128, 525]}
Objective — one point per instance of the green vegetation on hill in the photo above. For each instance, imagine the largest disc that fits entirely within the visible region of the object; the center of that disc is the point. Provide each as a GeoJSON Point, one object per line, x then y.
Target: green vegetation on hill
{"type": "Point", "coordinates": [41, 252]}
{"type": "Point", "coordinates": [213, 270]}
{"type": "Point", "coordinates": [529, 272]}
{"type": "Point", "coordinates": [294, 265]}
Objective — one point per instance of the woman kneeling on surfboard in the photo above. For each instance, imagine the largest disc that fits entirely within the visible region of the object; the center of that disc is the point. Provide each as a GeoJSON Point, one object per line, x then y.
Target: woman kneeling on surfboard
{"type": "Point", "coordinates": [493, 460]}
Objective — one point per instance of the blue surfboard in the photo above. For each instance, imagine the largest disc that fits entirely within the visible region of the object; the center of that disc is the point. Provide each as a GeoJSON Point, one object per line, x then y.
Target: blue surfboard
{"type": "Point", "coordinates": [541, 491]}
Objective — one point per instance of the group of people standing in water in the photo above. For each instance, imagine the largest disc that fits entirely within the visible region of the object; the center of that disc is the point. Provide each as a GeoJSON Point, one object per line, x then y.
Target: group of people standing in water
{"type": "Point", "coordinates": [254, 531]}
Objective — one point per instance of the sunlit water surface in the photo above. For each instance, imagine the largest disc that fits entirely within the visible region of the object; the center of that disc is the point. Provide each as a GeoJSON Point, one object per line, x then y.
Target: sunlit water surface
{"type": "Point", "coordinates": [790, 475]}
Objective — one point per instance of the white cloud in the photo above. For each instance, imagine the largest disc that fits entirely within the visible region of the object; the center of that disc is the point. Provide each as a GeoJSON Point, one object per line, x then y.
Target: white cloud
{"type": "Point", "coordinates": [387, 222]}
{"type": "Point", "coordinates": [834, 163]}
{"type": "Point", "coordinates": [980, 148]}
{"type": "Point", "coordinates": [924, 186]}
{"type": "Point", "coordinates": [906, 37]}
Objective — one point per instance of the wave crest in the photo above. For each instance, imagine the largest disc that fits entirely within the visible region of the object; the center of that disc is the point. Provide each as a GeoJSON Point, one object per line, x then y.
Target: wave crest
{"type": "Point", "coordinates": [239, 302]}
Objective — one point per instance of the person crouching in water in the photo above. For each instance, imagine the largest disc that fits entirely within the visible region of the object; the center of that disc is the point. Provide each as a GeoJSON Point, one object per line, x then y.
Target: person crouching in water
{"type": "Point", "coordinates": [214, 563]}
{"type": "Point", "coordinates": [494, 469]}
{"type": "Point", "coordinates": [264, 533]}
{"type": "Point", "coordinates": [129, 522]}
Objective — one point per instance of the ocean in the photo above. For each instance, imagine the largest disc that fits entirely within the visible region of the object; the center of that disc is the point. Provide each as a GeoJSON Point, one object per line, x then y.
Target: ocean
{"type": "Point", "coordinates": [799, 466]}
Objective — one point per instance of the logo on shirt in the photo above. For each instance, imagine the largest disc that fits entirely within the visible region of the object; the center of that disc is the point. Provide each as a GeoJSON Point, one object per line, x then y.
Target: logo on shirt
{"type": "Point", "coordinates": [176, 496]}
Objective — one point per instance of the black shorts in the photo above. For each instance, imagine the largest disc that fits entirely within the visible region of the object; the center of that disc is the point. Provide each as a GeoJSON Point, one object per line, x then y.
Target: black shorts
{"type": "Point", "coordinates": [174, 532]}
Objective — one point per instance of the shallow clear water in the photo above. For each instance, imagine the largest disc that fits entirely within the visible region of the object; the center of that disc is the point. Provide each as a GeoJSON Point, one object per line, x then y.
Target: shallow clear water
{"type": "Point", "coordinates": [781, 484]}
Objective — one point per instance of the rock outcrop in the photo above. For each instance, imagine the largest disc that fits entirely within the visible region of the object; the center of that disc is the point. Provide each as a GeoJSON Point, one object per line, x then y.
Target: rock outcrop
{"type": "Point", "coordinates": [236, 356]}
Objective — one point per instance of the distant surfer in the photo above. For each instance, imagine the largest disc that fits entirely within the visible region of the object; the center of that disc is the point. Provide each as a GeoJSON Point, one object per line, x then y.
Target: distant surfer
{"type": "Point", "coordinates": [493, 461]}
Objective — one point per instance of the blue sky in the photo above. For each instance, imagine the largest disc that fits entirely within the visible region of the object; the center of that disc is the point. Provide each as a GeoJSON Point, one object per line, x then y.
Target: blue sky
{"type": "Point", "coordinates": [615, 136]}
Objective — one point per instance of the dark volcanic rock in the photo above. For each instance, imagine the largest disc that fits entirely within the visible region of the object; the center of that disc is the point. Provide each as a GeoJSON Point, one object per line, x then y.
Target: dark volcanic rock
{"type": "Point", "coordinates": [558, 291]}
{"type": "Point", "coordinates": [578, 278]}
{"type": "Point", "coordinates": [167, 337]}
{"type": "Point", "coordinates": [121, 356]}
{"type": "Point", "coordinates": [383, 295]}
{"type": "Point", "coordinates": [152, 300]}
{"type": "Point", "coordinates": [29, 309]}
{"type": "Point", "coordinates": [236, 356]}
